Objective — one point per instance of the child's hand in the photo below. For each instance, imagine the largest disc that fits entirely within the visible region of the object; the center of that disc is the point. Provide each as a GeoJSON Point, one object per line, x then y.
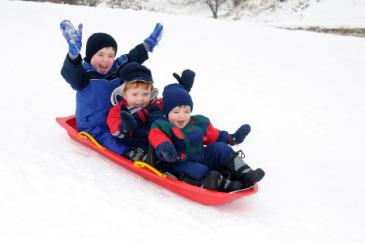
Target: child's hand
{"type": "Point", "coordinates": [154, 107]}
{"type": "Point", "coordinates": [73, 37]}
{"type": "Point", "coordinates": [186, 79]}
{"type": "Point", "coordinates": [166, 152]}
{"type": "Point", "coordinates": [128, 123]}
{"type": "Point", "coordinates": [240, 134]}
{"type": "Point", "coordinates": [151, 41]}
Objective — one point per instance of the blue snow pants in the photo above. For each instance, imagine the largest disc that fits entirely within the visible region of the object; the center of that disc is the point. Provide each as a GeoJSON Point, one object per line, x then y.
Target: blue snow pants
{"type": "Point", "coordinates": [197, 166]}
{"type": "Point", "coordinates": [102, 135]}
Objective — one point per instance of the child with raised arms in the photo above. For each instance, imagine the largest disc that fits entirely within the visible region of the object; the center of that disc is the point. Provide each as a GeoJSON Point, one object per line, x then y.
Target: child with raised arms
{"type": "Point", "coordinates": [97, 75]}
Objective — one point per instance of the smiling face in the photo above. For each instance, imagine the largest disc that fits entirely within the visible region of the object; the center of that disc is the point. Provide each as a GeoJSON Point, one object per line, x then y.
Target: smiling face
{"type": "Point", "coordinates": [103, 60]}
{"type": "Point", "coordinates": [180, 116]}
{"type": "Point", "coordinates": [137, 94]}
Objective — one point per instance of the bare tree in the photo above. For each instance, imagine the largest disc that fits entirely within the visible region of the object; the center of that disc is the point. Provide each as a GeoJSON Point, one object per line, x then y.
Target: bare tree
{"type": "Point", "coordinates": [214, 6]}
{"type": "Point", "coordinates": [237, 2]}
{"type": "Point", "coordinates": [73, 2]}
{"type": "Point", "coordinates": [91, 2]}
{"type": "Point", "coordinates": [125, 4]}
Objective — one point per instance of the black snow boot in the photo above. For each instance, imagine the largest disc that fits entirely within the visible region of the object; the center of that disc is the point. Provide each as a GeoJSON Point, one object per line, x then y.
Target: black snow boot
{"type": "Point", "coordinates": [216, 182]}
{"type": "Point", "coordinates": [242, 171]}
{"type": "Point", "coordinates": [189, 180]}
{"type": "Point", "coordinates": [136, 154]}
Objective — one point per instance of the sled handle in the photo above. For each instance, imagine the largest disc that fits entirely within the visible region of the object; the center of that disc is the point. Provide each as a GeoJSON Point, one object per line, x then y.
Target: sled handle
{"type": "Point", "coordinates": [141, 164]}
{"type": "Point", "coordinates": [83, 134]}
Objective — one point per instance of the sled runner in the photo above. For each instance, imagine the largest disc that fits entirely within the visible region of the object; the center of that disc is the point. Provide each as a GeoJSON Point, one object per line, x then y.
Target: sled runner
{"type": "Point", "coordinates": [191, 192]}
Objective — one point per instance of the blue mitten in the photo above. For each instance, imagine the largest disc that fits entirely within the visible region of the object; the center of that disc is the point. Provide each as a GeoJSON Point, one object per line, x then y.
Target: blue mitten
{"type": "Point", "coordinates": [240, 134]}
{"type": "Point", "coordinates": [151, 41]}
{"type": "Point", "coordinates": [73, 37]}
{"type": "Point", "coordinates": [128, 123]}
{"type": "Point", "coordinates": [186, 79]}
{"type": "Point", "coordinates": [166, 152]}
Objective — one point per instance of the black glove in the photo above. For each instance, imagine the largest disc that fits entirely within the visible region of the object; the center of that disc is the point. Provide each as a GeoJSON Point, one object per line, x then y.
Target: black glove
{"type": "Point", "coordinates": [166, 152]}
{"type": "Point", "coordinates": [186, 79]}
{"type": "Point", "coordinates": [148, 114]}
{"type": "Point", "coordinates": [240, 134]}
{"type": "Point", "coordinates": [128, 123]}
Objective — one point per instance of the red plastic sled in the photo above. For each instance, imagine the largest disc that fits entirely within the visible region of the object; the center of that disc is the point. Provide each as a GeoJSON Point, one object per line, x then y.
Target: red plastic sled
{"type": "Point", "coordinates": [191, 192]}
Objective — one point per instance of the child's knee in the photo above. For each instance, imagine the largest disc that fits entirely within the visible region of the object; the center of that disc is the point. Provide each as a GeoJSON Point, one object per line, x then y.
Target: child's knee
{"type": "Point", "coordinates": [219, 151]}
{"type": "Point", "coordinates": [220, 147]}
{"type": "Point", "coordinates": [194, 170]}
{"type": "Point", "coordinates": [199, 172]}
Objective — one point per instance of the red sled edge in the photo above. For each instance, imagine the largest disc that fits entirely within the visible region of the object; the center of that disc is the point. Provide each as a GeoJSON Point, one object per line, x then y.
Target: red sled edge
{"type": "Point", "coordinates": [201, 195]}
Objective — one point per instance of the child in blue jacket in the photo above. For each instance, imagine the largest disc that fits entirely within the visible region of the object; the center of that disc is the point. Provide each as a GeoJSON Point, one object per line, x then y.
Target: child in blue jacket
{"type": "Point", "coordinates": [95, 77]}
{"type": "Point", "coordinates": [196, 152]}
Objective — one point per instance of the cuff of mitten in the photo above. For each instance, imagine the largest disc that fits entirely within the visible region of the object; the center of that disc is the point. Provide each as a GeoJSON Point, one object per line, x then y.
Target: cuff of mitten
{"type": "Point", "coordinates": [231, 139]}
{"type": "Point", "coordinates": [141, 116]}
{"type": "Point", "coordinates": [74, 60]}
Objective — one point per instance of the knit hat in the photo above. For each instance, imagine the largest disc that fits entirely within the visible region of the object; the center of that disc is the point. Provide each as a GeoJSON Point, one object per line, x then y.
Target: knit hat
{"type": "Point", "coordinates": [135, 72]}
{"type": "Point", "coordinates": [98, 41]}
{"type": "Point", "coordinates": [175, 95]}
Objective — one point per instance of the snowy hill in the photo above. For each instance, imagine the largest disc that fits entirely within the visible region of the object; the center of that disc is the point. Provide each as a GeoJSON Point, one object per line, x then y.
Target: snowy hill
{"type": "Point", "coordinates": [302, 93]}
{"type": "Point", "coordinates": [326, 13]}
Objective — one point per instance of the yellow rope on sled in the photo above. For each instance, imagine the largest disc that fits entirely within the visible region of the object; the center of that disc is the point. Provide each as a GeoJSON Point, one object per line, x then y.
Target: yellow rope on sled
{"type": "Point", "coordinates": [138, 164]}
{"type": "Point", "coordinates": [92, 139]}
{"type": "Point", "coordinates": [141, 164]}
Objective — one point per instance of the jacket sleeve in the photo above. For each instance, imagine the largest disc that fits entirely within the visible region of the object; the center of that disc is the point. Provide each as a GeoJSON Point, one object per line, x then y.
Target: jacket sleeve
{"type": "Point", "coordinates": [156, 135]}
{"type": "Point", "coordinates": [224, 137]}
{"type": "Point", "coordinates": [74, 73]}
{"type": "Point", "coordinates": [113, 120]}
{"type": "Point", "coordinates": [212, 134]}
{"type": "Point", "coordinates": [138, 54]}
{"type": "Point", "coordinates": [215, 135]}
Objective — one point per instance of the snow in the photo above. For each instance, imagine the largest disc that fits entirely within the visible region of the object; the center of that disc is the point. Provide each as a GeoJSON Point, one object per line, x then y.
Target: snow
{"type": "Point", "coordinates": [302, 93]}
{"type": "Point", "coordinates": [323, 13]}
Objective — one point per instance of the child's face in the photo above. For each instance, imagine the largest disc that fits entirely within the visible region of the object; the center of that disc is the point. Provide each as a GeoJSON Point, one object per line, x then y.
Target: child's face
{"type": "Point", "coordinates": [103, 60]}
{"type": "Point", "coordinates": [180, 116]}
{"type": "Point", "coordinates": [137, 97]}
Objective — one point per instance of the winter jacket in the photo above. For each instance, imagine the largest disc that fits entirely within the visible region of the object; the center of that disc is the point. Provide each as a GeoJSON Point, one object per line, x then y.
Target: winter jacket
{"type": "Point", "coordinates": [144, 118]}
{"type": "Point", "coordinates": [189, 141]}
{"type": "Point", "coordinates": [93, 89]}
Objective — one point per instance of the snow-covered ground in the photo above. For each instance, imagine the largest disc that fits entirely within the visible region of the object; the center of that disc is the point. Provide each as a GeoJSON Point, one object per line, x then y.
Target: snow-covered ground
{"type": "Point", "coordinates": [302, 93]}
{"type": "Point", "coordinates": [325, 13]}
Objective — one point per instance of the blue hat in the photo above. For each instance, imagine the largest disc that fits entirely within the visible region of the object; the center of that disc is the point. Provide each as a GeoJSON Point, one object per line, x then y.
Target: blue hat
{"type": "Point", "coordinates": [175, 95]}
{"type": "Point", "coordinates": [98, 41]}
{"type": "Point", "coordinates": [135, 72]}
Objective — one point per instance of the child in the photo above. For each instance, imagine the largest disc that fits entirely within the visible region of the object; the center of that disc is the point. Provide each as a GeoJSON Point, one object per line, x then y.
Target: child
{"type": "Point", "coordinates": [95, 77]}
{"type": "Point", "coordinates": [131, 118]}
{"type": "Point", "coordinates": [180, 144]}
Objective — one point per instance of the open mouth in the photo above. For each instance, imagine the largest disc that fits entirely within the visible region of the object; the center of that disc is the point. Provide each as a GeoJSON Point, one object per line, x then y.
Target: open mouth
{"type": "Point", "coordinates": [180, 123]}
{"type": "Point", "coordinates": [103, 68]}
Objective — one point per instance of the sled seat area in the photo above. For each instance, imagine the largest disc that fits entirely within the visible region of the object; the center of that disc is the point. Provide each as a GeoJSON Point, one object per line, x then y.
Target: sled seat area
{"type": "Point", "coordinates": [198, 194]}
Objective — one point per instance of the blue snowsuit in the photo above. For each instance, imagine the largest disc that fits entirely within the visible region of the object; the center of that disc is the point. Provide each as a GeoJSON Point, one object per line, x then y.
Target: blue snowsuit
{"type": "Point", "coordinates": [93, 91]}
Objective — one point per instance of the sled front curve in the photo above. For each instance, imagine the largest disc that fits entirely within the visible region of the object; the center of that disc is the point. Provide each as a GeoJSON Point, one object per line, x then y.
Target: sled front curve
{"type": "Point", "coordinates": [191, 192]}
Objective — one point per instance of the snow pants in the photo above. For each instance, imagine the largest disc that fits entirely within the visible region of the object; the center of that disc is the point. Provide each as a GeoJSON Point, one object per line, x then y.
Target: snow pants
{"type": "Point", "coordinates": [197, 166]}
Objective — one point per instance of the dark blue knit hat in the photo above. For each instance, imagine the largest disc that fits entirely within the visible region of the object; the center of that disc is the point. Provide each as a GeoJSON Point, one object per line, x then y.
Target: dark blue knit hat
{"type": "Point", "coordinates": [175, 95]}
{"type": "Point", "coordinates": [135, 72]}
{"type": "Point", "coordinates": [98, 41]}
